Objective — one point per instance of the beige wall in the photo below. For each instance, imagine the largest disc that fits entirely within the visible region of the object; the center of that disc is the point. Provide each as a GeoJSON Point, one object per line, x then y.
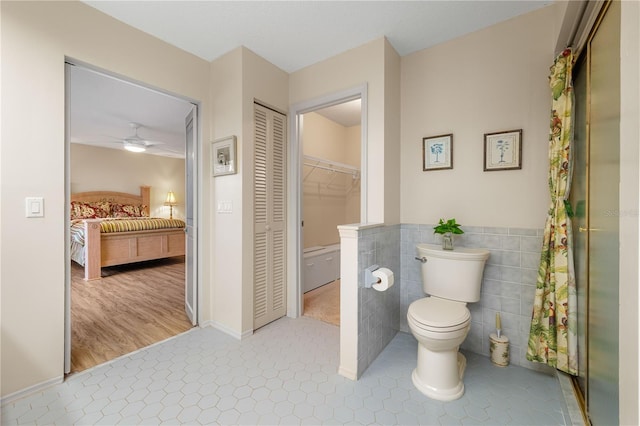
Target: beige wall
{"type": "Point", "coordinates": [329, 199]}
{"type": "Point", "coordinates": [36, 37]}
{"type": "Point", "coordinates": [105, 169]}
{"type": "Point", "coordinates": [391, 159]}
{"type": "Point", "coordinates": [226, 120]}
{"type": "Point", "coordinates": [324, 138]}
{"type": "Point", "coordinates": [353, 157]}
{"type": "Point", "coordinates": [364, 64]}
{"type": "Point", "coordinates": [487, 81]}
{"type": "Point", "coordinates": [629, 318]}
{"type": "Point", "coordinates": [238, 78]}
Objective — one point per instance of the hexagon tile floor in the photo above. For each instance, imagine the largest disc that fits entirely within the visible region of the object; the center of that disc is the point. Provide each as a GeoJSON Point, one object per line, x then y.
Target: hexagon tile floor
{"type": "Point", "coordinates": [284, 374]}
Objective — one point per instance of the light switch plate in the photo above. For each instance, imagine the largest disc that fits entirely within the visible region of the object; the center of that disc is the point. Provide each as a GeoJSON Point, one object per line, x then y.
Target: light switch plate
{"type": "Point", "coordinates": [34, 206]}
{"type": "Point", "coordinates": [225, 206]}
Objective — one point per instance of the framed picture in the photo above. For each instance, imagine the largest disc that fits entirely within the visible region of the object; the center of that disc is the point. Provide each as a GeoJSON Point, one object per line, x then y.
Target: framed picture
{"type": "Point", "coordinates": [223, 156]}
{"type": "Point", "coordinates": [437, 152]}
{"type": "Point", "coordinates": [503, 150]}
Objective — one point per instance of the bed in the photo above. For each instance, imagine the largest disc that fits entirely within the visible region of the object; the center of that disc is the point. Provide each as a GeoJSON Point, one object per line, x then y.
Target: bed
{"type": "Point", "coordinates": [113, 228]}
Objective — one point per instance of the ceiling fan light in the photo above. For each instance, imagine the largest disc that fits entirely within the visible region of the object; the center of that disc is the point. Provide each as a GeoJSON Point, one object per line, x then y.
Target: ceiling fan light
{"type": "Point", "coordinates": [133, 147]}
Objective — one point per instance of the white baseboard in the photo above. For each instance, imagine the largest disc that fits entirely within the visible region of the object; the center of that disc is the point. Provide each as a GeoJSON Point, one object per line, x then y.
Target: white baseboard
{"type": "Point", "coordinates": [8, 399]}
{"type": "Point", "coordinates": [226, 330]}
{"type": "Point", "coordinates": [349, 374]}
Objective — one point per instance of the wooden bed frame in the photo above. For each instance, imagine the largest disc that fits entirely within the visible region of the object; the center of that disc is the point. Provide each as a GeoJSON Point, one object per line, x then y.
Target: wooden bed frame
{"type": "Point", "coordinates": [119, 248]}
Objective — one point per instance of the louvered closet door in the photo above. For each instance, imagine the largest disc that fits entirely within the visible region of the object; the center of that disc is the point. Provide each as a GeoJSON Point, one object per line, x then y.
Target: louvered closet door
{"type": "Point", "coordinates": [269, 296]}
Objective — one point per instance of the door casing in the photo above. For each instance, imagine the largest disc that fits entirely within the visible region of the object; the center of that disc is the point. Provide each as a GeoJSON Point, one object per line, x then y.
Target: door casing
{"type": "Point", "coordinates": [197, 191]}
{"type": "Point", "coordinates": [294, 207]}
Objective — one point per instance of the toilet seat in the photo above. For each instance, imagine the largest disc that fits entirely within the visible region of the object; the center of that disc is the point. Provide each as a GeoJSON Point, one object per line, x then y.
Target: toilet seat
{"type": "Point", "coordinates": [439, 315]}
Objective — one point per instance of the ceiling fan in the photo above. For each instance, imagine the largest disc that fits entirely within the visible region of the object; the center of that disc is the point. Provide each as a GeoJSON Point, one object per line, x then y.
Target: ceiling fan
{"type": "Point", "coordinates": [135, 143]}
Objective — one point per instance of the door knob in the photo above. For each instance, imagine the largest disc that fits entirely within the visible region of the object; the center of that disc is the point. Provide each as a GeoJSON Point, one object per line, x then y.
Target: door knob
{"type": "Point", "coordinates": [267, 228]}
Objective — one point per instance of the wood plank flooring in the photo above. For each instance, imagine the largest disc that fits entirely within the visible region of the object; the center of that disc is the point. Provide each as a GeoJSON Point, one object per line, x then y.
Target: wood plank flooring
{"type": "Point", "coordinates": [323, 303]}
{"type": "Point", "coordinates": [130, 307]}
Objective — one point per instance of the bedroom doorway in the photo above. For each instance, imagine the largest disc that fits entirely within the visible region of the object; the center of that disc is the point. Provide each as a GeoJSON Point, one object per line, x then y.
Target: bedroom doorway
{"type": "Point", "coordinates": [147, 291]}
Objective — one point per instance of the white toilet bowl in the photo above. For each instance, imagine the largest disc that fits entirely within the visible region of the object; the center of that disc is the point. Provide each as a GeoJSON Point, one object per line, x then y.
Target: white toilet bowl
{"type": "Point", "coordinates": [440, 326]}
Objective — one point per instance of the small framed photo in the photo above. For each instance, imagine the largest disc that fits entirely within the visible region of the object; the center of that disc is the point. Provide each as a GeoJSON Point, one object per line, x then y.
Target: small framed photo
{"type": "Point", "coordinates": [223, 156]}
{"type": "Point", "coordinates": [437, 152]}
{"type": "Point", "coordinates": [503, 150]}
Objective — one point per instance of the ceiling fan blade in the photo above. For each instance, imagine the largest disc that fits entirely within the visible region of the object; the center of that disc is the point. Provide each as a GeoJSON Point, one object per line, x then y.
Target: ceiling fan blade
{"type": "Point", "coordinates": [167, 149]}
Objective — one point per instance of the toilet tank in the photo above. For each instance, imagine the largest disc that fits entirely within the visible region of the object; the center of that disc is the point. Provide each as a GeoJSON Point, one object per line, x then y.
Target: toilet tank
{"type": "Point", "coordinates": [452, 274]}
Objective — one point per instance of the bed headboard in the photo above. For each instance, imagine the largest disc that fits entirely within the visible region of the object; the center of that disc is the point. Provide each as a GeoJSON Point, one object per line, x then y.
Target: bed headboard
{"type": "Point", "coordinates": [115, 197]}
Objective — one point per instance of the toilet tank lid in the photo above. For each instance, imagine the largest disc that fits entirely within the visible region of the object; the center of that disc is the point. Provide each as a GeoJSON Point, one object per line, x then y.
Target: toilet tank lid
{"type": "Point", "coordinates": [460, 253]}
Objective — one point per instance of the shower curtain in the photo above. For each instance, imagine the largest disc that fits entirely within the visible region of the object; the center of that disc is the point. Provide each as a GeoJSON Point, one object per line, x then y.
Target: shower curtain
{"type": "Point", "coordinates": [553, 334]}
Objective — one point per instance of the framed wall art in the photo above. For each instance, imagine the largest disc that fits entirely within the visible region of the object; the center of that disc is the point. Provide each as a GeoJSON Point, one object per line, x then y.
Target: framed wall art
{"type": "Point", "coordinates": [503, 150]}
{"type": "Point", "coordinates": [437, 152]}
{"type": "Point", "coordinates": [223, 156]}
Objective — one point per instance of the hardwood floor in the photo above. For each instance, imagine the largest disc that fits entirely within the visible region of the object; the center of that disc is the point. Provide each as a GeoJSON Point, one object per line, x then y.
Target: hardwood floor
{"type": "Point", "coordinates": [323, 303]}
{"type": "Point", "coordinates": [130, 307]}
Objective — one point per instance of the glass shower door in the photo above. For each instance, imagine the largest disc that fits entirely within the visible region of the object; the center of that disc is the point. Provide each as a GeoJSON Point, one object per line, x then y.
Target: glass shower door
{"type": "Point", "coordinates": [595, 201]}
{"type": "Point", "coordinates": [604, 245]}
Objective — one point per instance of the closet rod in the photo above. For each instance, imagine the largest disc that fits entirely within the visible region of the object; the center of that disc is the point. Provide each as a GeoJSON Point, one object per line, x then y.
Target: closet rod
{"type": "Point", "coordinates": [334, 166]}
{"type": "Point", "coordinates": [354, 172]}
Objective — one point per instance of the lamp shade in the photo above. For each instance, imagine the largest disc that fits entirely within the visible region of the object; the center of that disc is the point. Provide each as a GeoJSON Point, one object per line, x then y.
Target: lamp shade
{"type": "Point", "coordinates": [171, 199]}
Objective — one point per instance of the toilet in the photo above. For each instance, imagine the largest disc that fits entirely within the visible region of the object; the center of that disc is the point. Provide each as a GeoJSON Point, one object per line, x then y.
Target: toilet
{"type": "Point", "coordinates": [441, 321]}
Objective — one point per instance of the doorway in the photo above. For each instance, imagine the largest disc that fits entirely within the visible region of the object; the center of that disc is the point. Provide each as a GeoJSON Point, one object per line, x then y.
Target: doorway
{"type": "Point", "coordinates": [137, 301]}
{"type": "Point", "coordinates": [330, 197]}
{"type": "Point", "coordinates": [329, 189]}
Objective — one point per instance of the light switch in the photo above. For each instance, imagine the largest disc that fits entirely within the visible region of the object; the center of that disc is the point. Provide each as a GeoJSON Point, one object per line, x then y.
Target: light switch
{"type": "Point", "coordinates": [225, 206]}
{"type": "Point", "coordinates": [34, 206]}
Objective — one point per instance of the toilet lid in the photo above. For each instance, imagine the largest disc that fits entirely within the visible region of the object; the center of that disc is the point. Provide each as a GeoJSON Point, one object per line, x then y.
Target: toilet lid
{"type": "Point", "coordinates": [440, 313]}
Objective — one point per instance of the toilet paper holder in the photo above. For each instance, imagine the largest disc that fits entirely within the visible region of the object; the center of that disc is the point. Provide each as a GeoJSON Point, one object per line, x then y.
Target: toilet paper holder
{"type": "Point", "coordinates": [369, 279]}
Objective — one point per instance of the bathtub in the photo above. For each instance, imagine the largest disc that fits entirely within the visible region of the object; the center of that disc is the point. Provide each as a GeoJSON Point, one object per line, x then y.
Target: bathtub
{"type": "Point", "coordinates": [321, 266]}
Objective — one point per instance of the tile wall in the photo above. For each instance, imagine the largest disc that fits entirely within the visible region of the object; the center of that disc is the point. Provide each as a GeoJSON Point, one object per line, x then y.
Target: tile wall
{"type": "Point", "coordinates": [508, 285]}
{"type": "Point", "coordinates": [379, 312]}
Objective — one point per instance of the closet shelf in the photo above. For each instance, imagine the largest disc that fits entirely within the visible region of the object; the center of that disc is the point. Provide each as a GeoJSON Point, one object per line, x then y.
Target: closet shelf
{"type": "Point", "coordinates": [333, 166]}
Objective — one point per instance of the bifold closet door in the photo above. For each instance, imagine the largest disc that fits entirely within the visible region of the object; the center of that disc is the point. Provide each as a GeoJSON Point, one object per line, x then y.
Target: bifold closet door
{"type": "Point", "coordinates": [269, 268]}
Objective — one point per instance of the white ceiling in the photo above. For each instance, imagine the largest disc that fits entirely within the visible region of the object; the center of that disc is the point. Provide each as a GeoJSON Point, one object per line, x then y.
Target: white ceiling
{"type": "Point", "coordinates": [296, 34]}
{"type": "Point", "coordinates": [346, 114]}
{"type": "Point", "coordinates": [102, 108]}
{"type": "Point", "coordinates": [289, 34]}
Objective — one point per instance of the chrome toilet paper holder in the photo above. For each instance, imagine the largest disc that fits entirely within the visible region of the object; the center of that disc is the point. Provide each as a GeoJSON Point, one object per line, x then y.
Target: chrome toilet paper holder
{"type": "Point", "coordinates": [369, 279]}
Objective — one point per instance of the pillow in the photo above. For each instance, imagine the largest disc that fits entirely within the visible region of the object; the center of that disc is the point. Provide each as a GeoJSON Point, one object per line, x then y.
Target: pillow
{"type": "Point", "coordinates": [80, 210]}
{"type": "Point", "coordinates": [128, 210]}
{"type": "Point", "coordinates": [103, 206]}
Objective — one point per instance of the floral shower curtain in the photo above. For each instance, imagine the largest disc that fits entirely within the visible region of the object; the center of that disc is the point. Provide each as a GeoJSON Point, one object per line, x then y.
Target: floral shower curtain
{"type": "Point", "coordinates": [553, 334]}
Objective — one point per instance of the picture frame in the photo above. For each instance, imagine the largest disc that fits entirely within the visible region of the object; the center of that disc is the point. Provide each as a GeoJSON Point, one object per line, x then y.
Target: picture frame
{"type": "Point", "coordinates": [223, 156]}
{"type": "Point", "coordinates": [437, 152]}
{"type": "Point", "coordinates": [503, 150]}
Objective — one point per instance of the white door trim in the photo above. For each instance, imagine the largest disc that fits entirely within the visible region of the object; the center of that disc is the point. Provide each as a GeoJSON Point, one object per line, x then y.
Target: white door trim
{"type": "Point", "coordinates": [191, 240]}
{"type": "Point", "coordinates": [294, 202]}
